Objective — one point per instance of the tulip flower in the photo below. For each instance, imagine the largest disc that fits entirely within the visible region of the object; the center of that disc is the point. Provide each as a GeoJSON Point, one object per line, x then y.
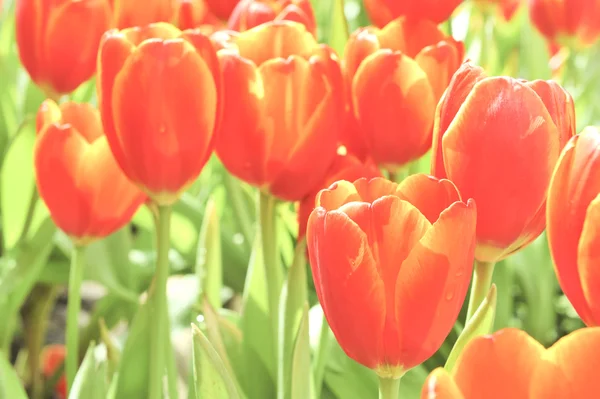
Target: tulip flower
{"type": "Point", "coordinates": [86, 192]}
{"type": "Point", "coordinates": [130, 13]}
{"type": "Point", "coordinates": [58, 41]}
{"type": "Point", "coordinates": [568, 22]}
{"type": "Point", "coordinates": [573, 215]}
{"type": "Point", "coordinates": [250, 13]}
{"type": "Point", "coordinates": [222, 8]}
{"type": "Point", "coordinates": [192, 14]}
{"type": "Point", "coordinates": [391, 266]}
{"type": "Point", "coordinates": [345, 167]}
{"type": "Point", "coordinates": [51, 358]}
{"type": "Point", "coordinates": [511, 364]}
{"type": "Point", "coordinates": [395, 77]}
{"type": "Point", "coordinates": [283, 108]}
{"type": "Point", "coordinates": [160, 128]}
{"type": "Point", "coordinates": [381, 12]}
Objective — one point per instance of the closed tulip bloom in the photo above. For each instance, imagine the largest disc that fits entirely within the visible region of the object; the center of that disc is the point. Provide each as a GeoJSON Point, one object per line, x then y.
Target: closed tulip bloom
{"type": "Point", "coordinates": [51, 358]}
{"type": "Point", "coordinates": [159, 93]}
{"type": "Point", "coordinates": [130, 13]}
{"type": "Point", "coordinates": [568, 22]}
{"type": "Point", "coordinates": [86, 192]}
{"type": "Point", "coordinates": [192, 14]}
{"type": "Point", "coordinates": [498, 139]}
{"type": "Point", "coordinates": [283, 95]}
{"type": "Point", "coordinates": [222, 8]}
{"type": "Point", "coordinates": [381, 12]}
{"type": "Point", "coordinates": [573, 215]}
{"type": "Point", "coordinates": [250, 13]}
{"type": "Point", "coordinates": [395, 77]}
{"type": "Point", "coordinates": [345, 167]}
{"type": "Point", "coordinates": [58, 41]}
{"type": "Point", "coordinates": [391, 265]}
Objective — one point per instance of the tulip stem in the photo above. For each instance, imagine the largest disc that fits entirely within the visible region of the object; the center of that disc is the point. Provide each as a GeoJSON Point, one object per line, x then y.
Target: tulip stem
{"type": "Point", "coordinates": [482, 281]}
{"type": "Point", "coordinates": [322, 355]}
{"type": "Point", "coordinates": [389, 388]}
{"type": "Point", "coordinates": [160, 337]}
{"type": "Point", "coordinates": [274, 275]}
{"type": "Point", "coordinates": [73, 310]}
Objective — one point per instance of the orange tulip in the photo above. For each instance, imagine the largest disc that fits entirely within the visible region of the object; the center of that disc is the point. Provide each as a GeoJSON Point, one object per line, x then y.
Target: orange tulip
{"type": "Point", "coordinates": [159, 92]}
{"type": "Point", "coordinates": [573, 215]}
{"type": "Point", "coordinates": [51, 358]}
{"type": "Point", "coordinates": [395, 78]}
{"type": "Point", "coordinates": [568, 22]}
{"type": "Point", "coordinates": [222, 8]}
{"type": "Point", "coordinates": [498, 139]}
{"type": "Point", "coordinates": [381, 12]}
{"type": "Point", "coordinates": [77, 177]}
{"type": "Point", "coordinates": [192, 14]}
{"type": "Point", "coordinates": [391, 265]}
{"type": "Point", "coordinates": [345, 167]}
{"type": "Point", "coordinates": [58, 41]}
{"type": "Point", "coordinates": [511, 364]}
{"type": "Point", "coordinates": [283, 108]}
{"type": "Point", "coordinates": [250, 13]}
{"type": "Point", "coordinates": [130, 13]}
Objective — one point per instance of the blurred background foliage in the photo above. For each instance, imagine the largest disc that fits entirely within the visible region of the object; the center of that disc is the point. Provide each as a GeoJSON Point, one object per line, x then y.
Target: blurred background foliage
{"type": "Point", "coordinates": [34, 254]}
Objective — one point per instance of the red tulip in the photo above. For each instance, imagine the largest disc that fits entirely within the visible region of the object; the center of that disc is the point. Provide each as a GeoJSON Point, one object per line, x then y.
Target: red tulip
{"type": "Point", "coordinates": [250, 13]}
{"type": "Point", "coordinates": [222, 8]}
{"type": "Point", "coordinates": [283, 108]}
{"type": "Point", "coordinates": [573, 215]}
{"type": "Point", "coordinates": [130, 13]}
{"type": "Point", "coordinates": [58, 41]}
{"type": "Point", "coordinates": [498, 139]}
{"type": "Point", "coordinates": [51, 358]}
{"type": "Point", "coordinates": [391, 265]}
{"type": "Point", "coordinates": [159, 91]}
{"type": "Point", "coordinates": [77, 177]}
{"type": "Point", "coordinates": [382, 12]}
{"type": "Point", "coordinates": [192, 14]}
{"type": "Point", "coordinates": [395, 77]}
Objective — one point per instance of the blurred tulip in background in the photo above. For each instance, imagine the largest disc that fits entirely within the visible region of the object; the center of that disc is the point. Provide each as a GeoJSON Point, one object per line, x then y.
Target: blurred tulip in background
{"type": "Point", "coordinates": [250, 13]}
{"type": "Point", "coordinates": [382, 12]}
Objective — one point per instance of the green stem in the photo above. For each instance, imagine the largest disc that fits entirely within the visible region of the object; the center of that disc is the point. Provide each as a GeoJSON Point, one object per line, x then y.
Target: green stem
{"type": "Point", "coordinates": [482, 281]}
{"type": "Point", "coordinates": [160, 341]}
{"type": "Point", "coordinates": [240, 209]}
{"type": "Point", "coordinates": [389, 388]}
{"type": "Point", "coordinates": [73, 310]}
{"type": "Point", "coordinates": [322, 356]}
{"type": "Point", "coordinates": [268, 226]}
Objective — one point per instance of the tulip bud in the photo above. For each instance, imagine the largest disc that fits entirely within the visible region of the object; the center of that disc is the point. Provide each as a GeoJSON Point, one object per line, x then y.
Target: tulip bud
{"type": "Point", "coordinates": [159, 93]}
{"type": "Point", "coordinates": [192, 14]}
{"type": "Point", "coordinates": [381, 12]}
{"type": "Point", "coordinates": [250, 13]}
{"type": "Point", "coordinates": [498, 139]}
{"type": "Point", "coordinates": [222, 8]}
{"type": "Point", "coordinates": [58, 41]}
{"type": "Point", "coordinates": [573, 215]}
{"type": "Point", "coordinates": [283, 108]}
{"type": "Point", "coordinates": [391, 266]}
{"type": "Point", "coordinates": [395, 77]}
{"type": "Point", "coordinates": [130, 13]}
{"type": "Point", "coordinates": [51, 358]}
{"type": "Point", "coordinates": [77, 177]}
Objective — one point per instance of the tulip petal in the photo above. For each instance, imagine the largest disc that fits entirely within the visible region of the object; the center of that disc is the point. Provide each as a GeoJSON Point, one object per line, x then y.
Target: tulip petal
{"type": "Point", "coordinates": [433, 282]}
{"type": "Point", "coordinates": [338, 194]}
{"type": "Point", "coordinates": [409, 36]}
{"type": "Point", "coordinates": [569, 369]}
{"type": "Point", "coordinates": [361, 43]}
{"type": "Point", "coordinates": [347, 282]}
{"type": "Point", "coordinates": [431, 196]}
{"type": "Point", "coordinates": [439, 62]}
{"type": "Point", "coordinates": [520, 135]}
{"type": "Point", "coordinates": [440, 385]}
{"type": "Point", "coordinates": [498, 366]}
{"type": "Point", "coordinates": [588, 258]}
{"type": "Point", "coordinates": [49, 112]}
{"type": "Point", "coordinates": [394, 104]}
{"type": "Point", "coordinates": [84, 118]}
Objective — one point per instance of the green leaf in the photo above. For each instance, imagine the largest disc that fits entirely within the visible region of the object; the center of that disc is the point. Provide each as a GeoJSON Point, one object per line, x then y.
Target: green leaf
{"type": "Point", "coordinates": [301, 374]}
{"type": "Point", "coordinates": [209, 268]}
{"type": "Point", "coordinates": [90, 381]}
{"type": "Point", "coordinates": [293, 297]}
{"type": "Point", "coordinates": [211, 379]}
{"type": "Point", "coordinates": [338, 33]}
{"type": "Point", "coordinates": [348, 379]}
{"type": "Point", "coordinates": [10, 385]}
{"type": "Point", "coordinates": [481, 323]}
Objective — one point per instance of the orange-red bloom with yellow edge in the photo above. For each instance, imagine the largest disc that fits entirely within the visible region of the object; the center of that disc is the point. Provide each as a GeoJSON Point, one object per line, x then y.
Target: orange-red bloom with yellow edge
{"type": "Point", "coordinates": [86, 192]}
{"type": "Point", "coordinates": [284, 102]}
{"type": "Point", "coordinates": [391, 265]}
{"type": "Point", "coordinates": [51, 358]}
{"type": "Point", "coordinates": [382, 12]}
{"type": "Point", "coordinates": [222, 8]}
{"type": "Point", "coordinates": [159, 92]}
{"type": "Point", "coordinates": [511, 364]}
{"type": "Point", "coordinates": [573, 217]}
{"type": "Point", "coordinates": [498, 139]}
{"type": "Point", "coordinates": [395, 77]}
{"type": "Point", "coordinates": [58, 41]}
{"type": "Point", "coordinates": [568, 22]}
{"type": "Point", "coordinates": [192, 14]}
{"type": "Point", "coordinates": [250, 13]}
{"type": "Point", "coordinates": [130, 13]}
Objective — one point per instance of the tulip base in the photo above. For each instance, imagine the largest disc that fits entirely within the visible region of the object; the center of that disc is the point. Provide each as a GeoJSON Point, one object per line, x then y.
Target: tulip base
{"type": "Point", "coordinates": [73, 309]}
{"type": "Point", "coordinates": [389, 388]}
{"type": "Point", "coordinates": [482, 281]}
